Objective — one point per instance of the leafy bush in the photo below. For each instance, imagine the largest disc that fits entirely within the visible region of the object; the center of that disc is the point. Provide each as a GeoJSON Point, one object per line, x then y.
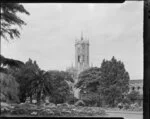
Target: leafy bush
{"type": "Point", "coordinates": [133, 96]}
{"type": "Point", "coordinates": [9, 88]}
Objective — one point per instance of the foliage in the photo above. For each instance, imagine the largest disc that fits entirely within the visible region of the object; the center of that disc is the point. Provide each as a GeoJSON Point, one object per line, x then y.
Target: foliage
{"type": "Point", "coordinates": [73, 72]}
{"type": "Point", "coordinates": [37, 83]}
{"type": "Point", "coordinates": [61, 110]}
{"type": "Point", "coordinates": [88, 83]}
{"type": "Point", "coordinates": [33, 81]}
{"type": "Point", "coordinates": [110, 82]}
{"type": "Point", "coordinates": [71, 99]}
{"type": "Point", "coordinates": [9, 63]}
{"type": "Point", "coordinates": [40, 85]}
{"type": "Point", "coordinates": [91, 99]}
{"type": "Point", "coordinates": [88, 79]}
{"type": "Point", "coordinates": [10, 19]}
{"type": "Point", "coordinates": [9, 88]}
{"type": "Point", "coordinates": [61, 90]}
{"type": "Point", "coordinates": [134, 96]}
{"type": "Point", "coordinates": [114, 81]}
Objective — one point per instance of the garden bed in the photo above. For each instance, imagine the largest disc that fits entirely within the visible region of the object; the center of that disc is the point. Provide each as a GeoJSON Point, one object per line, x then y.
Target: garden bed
{"type": "Point", "coordinates": [63, 110]}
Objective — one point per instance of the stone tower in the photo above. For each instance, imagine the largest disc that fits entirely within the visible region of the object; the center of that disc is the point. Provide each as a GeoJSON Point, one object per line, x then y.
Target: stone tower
{"type": "Point", "coordinates": [81, 54]}
{"type": "Point", "coordinates": [81, 60]}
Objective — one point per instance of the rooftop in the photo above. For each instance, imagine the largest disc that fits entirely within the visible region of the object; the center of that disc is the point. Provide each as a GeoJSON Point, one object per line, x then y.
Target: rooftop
{"type": "Point", "coordinates": [136, 81]}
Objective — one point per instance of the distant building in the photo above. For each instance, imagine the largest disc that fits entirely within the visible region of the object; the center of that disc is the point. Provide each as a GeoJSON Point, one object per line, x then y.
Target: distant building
{"type": "Point", "coordinates": [136, 85]}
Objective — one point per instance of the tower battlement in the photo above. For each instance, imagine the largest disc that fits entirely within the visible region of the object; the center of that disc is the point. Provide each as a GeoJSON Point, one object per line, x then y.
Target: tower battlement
{"type": "Point", "coordinates": [84, 41]}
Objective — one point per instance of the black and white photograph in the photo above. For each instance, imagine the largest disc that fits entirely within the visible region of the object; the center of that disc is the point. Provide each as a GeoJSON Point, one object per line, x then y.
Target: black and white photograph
{"type": "Point", "coordinates": [72, 59]}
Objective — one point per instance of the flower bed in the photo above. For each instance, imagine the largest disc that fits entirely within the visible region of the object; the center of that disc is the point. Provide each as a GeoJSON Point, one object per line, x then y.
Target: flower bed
{"type": "Point", "coordinates": [57, 110]}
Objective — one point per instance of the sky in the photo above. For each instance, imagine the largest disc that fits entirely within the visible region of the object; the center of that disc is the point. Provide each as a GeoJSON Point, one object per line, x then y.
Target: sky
{"type": "Point", "coordinates": [52, 28]}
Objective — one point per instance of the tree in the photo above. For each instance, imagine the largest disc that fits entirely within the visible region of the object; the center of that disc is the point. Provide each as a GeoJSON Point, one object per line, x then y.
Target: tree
{"type": "Point", "coordinates": [9, 88]}
{"type": "Point", "coordinates": [73, 72]}
{"type": "Point", "coordinates": [88, 83]}
{"type": "Point", "coordinates": [88, 77]}
{"type": "Point", "coordinates": [6, 62]}
{"type": "Point", "coordinates": [33, 81]}
{"type": "Point", "coordinates": [10, 20]}
{"type": "Point", "coordinates": [110, 82]}
{"type": "Point", "coordinates": [23, 76]}
{"type": "Point", "coordinates": [114, 81]}
{"type": "Point", "coordinates": [61, 86]}
{"type": "Point", "coordinates": [41, 85]}
{"type": "Point", "coordinates": [38, 83]}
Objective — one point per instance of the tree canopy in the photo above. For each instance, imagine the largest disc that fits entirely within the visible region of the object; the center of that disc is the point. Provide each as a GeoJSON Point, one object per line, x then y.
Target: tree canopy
{"type": "Point", "coordinates": [115, 80]}
{"type": "Point", "coordinates": [10, 62]}
{"type": "Point", "coordinates": [37, 83]}
{"type": "Point", "coordinates": [60, 84]}
{"type": "Point", "coordinates": [10, 19]}
{"type": "Point", "coordinates": [88, 83]}
{"type": "Point", "coordinates": [9, 88]}
{"type": "Point", "coordinates": [89, 78]}
{"type": "Point", "coordinates": [110, 81]}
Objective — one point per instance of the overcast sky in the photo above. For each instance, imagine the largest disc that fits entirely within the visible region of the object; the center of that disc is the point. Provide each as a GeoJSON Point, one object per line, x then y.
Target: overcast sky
{"type": "Point", "coordinates": [51, 30]}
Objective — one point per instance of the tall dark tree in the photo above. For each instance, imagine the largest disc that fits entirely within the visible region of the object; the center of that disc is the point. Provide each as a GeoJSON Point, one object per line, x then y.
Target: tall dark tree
{"type": "Point", "coordinates": [10, 21]}
{"type": "Point", "coordinates": [109, 83]}
{"type": "Point", "coordinates": [114, 81]}
{"type": "Point", "coordinates": [89, 79]}
{"type": "Point", "coordinates": [41, 85]}
{"type": "Point", "coordinates": [5, 63]}
{"type": "Point", "coordinates": [24, 75]}
{"type": "Point", "coordinates": [8, 85]}
{"type": "Point", "coordinates": [88, 83]}
{"type": "Point", "coordinates": [60, 84]}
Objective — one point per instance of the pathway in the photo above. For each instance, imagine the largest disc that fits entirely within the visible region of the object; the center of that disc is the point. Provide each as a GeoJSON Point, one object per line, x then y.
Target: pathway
{"type": "Point", "coordinates": [125, 114]}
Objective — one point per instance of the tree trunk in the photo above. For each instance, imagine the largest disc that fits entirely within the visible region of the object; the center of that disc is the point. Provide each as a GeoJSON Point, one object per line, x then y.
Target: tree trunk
{"type": "Point", "coordinates": [22, 98]}
{"type": "Point", "coordinates": [39, 98]}
{"type": "Point", "coordinates": [31, 99]}
{"type": "Point", "coordinates": [99, 100]}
